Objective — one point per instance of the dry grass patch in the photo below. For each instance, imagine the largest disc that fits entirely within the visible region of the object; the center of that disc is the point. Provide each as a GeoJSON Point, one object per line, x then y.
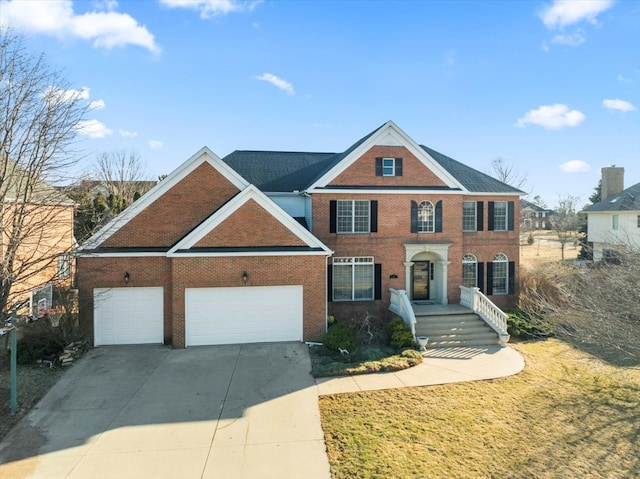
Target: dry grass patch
{"type": "Point", "coordinates": [565, 415]}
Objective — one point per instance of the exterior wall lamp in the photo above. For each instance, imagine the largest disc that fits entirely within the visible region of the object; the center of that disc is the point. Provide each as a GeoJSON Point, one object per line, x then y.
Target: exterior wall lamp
{"type": "Point", "coordinates": [244, 277]}
{"type": "Point", "coordinates": [127, 276]}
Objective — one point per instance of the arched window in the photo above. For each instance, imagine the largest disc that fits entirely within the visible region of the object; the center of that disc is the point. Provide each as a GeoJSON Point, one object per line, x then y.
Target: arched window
{"type": "Point", "coordinates": [469, 271]}
{"type": "Point", "coordinates": [500, 277]}
{"type": "Point", "coordinates": [426, 216]}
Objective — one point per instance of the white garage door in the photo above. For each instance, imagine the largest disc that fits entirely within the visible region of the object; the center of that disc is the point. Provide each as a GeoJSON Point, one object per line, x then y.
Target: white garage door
{"type": "Point", "coordinates": [128, 315]}
{"type": "Point", "coordinates": [249, 314]}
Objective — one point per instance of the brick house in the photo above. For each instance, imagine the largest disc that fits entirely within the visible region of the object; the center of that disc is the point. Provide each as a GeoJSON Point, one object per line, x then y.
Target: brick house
{"type": "Point", "coordinates": [263, 245]}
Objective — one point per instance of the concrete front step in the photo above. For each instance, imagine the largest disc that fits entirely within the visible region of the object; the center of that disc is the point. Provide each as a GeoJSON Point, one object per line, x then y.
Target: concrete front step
{"type": "Point", "coordinates": [455, 330]}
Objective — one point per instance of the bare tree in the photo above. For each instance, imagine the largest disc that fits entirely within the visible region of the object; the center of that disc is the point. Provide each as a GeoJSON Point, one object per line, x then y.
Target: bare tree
{"type": "Point", "coordinates": [123, 174]}
{"type": "Point", "coordinates": [565, 220]}
{"type": "Point", "coordinates": [39, 118]}
{"type": "Point", "coordinates": [506, 172]}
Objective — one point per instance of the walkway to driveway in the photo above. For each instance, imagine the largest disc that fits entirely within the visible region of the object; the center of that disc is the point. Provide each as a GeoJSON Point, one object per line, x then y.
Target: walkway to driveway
{"type": "Point", "coordinates": [239, 411]}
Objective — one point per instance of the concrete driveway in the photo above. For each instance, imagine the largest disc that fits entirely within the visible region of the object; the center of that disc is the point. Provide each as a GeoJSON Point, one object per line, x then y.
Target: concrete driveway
{"type": "Point", "coordinates": [238, 411]}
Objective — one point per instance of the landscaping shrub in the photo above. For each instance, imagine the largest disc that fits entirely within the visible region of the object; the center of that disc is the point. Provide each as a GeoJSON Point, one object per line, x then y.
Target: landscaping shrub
{"type": "Point", "coordinates": [340, 336]}
{"type": "Point", "coordinates": [398, 333]}
{"type": "Point", "coordinates": [39, 340]}
{"type": "Point", "coordinates": [526, 326]}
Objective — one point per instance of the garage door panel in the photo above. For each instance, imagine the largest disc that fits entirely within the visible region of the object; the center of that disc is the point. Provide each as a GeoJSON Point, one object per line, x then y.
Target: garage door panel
{"type": "Point", "coordinates": [128, 316]}
{"type": "Point", "coordinates": [243, 315]}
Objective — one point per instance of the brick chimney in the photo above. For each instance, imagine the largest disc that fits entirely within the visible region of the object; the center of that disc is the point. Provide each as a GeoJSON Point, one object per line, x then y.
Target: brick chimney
{"type": "Point", "coordinates": [612, 181]}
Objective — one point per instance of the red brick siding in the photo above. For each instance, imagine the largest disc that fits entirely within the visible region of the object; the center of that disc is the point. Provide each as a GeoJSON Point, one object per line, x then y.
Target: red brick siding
{"type": "Point", "coordinates": [99, 272]}
{"type": "Point", "coordinates": [212, 272]}
{"type": "Point", "coordinates": [178, 211]}
{"type": "Point", "coordinates": [250, 225]}
{"type": "Point", "coordinates": [363, 170]}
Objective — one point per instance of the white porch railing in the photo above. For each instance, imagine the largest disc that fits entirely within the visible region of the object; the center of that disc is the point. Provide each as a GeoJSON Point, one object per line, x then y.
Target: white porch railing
{"type": "Point", "coordinates": [401, 305]}
{"type": "Point", "coordinates": [473, 299]}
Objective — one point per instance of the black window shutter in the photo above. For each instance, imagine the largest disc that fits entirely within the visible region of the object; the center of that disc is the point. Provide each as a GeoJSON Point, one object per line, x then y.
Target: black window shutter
{"type": "Point", "coordinates": [512, 277]}
{"type": "Point", "coordinates": [378, 166]}
{"type": "Point", "coordinates": [329, 282]}
{"type": "Point", "coordinates": [510, 215]}
{"type": "Point", "coordinates": [398, 166]}
{"type": "Point", "coordinates": [373, 220]}
{"type": "Point", "coordinates": [414, 217]}
{"type": "Point", "coordinates": [333, 213]}
{"type": "Point", "coordinates": [489, 278]}
{"type": "Point", "coordinates": [480, 277]}
{"type": "Point", "coordinates": [479, 216]}
{"type": "Point", "coordinates": [377, 281]}
{"type": "Point", "coordinates": [490, 216]}
{"type": "Point", "coordinates": [438, 224]}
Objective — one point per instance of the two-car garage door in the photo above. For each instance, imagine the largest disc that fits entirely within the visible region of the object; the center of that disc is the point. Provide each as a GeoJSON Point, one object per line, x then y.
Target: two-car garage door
{"type": "Point", "coordinates": [243, 315]}
{"type": "Point", "coordinates": [134, 315]}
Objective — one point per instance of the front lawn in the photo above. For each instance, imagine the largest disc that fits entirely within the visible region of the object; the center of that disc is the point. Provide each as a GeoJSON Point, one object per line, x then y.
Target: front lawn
{"type": "Point", "coordinates": [566, 415]}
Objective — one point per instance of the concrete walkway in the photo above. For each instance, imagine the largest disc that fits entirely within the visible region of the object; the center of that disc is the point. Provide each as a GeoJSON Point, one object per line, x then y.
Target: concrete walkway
{"type": "Point", "coordinates": [440, 366]}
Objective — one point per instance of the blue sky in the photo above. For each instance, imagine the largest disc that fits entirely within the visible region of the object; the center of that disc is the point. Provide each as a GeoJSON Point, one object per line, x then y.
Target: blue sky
{"type": "Point", "coordinates": [552, 87]}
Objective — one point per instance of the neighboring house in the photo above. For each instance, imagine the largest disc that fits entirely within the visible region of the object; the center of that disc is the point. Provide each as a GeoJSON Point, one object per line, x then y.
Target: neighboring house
{"type": "Point", "coordinates": [45, 239]}
{"type": "Point", "coordinates": [614, 221]}
{"type": "Point", "coordinates": [263, 245]}
{"type": "Point", "coordinates": [534, 217]}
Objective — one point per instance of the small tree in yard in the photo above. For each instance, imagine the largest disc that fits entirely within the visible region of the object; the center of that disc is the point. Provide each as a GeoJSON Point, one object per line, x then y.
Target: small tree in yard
{"type": "Point", "coordinates": [565, 221]}
{"type": "Point", "coordinates": [39, 118]}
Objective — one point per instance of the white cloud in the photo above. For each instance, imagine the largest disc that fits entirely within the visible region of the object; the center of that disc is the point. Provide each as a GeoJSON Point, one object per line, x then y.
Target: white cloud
{"type": "Point", "coordinates": [97, 105]}
{"type": "Point", "coordinates": [575, 166]}
{"type": "Point", "coordinates": [67, 95]}
{"type": "Point", "coordinates": [619, 105]}
{"type": "Point", "coordinates": [277, 82]}
{"type": "Point", "coordinates": [623, 79]}
{"type": "Point", "coordinates": [213, 8]}
{"type": "Point", "coordinates": [93, 129]}
{"type": "Point", "coordinates": [156, 144]}
{"type": "Point", "coordinates": [553, 117]}
{"type": "Point", "coordinates": [562, 13]}
{"type": "Point", "coordinates": [56, 18]}
{"type": "Point", "coordinates": [128, 134]}
{"type": "Point", "coordinates": [571, 40]}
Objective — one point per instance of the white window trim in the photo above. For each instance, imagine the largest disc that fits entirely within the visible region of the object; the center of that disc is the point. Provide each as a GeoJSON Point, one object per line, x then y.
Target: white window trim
{"type": "Point", "coordinates": [506, 215]}
{"type": "Point", "coordinates": [475, 217]}
{"type": "Point", "coordinates": [393, 166]}
{"type": "Point", "coordinates": [470, 259]}
{"type": "Point", "coordinates": [615, 222]}
{"type": "Point", "coordinates": [501, 259]}
{"type": "Point", "coordinates": [353, 217]}
{"type": "Point", "coordinates": [433, 218]}
{"type": "Point", "coordinates": [354, 261]}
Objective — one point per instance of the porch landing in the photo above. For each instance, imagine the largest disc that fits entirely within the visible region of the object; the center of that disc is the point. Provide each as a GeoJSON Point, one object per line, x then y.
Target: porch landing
{"type": "Point", "coordinates": [451, 325]}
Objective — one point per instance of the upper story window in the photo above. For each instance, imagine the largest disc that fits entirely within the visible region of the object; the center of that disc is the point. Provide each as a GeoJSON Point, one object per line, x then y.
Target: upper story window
{"type": "Point", "coordinates": [469, 219]}
{"type": "Point", "coordinates": [63, 266]}
{"type": "Point", "coordinates": [388, 166]}
{"type": "Point", "coordinates": [615, 222]}
{"type": "Point", "coordinates": [353, 216]}
{"type": "Point", "coordinates": [426, 217]}
{"type": "Point", "coordinates": [500, 216]}
{"type": "Point", "coordinates": [469, 271]}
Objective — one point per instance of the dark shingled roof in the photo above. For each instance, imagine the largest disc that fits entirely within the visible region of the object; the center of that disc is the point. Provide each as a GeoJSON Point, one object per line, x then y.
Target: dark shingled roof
{"type": "Point", "coordinates": [286, 171]}
{"type": "Point", "coordinates": [626, 200]}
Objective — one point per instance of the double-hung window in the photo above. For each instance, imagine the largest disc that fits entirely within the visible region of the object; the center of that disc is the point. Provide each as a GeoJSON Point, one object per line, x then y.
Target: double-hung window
{"type": "Point", "coordinates": [469, 271]}
{"type": "Point", "coordinates": [388, 167]}
{"type": "Point", "coordinates": [500, 216]}
{"type": "Point", "coordinates": [353, 216]}
{"type": "Point", "coordinates": [63, 266]}
{"type": "Point", "coordinates": [353, 278]}
{"type": "Point", "coordinates": [426, 217]}
{"type": "Point", "coordinates": [469, 221]}
{"type": "Point", "coordinates": [500, 274]}
{"type": "Point", "coordinates": [615, 222]}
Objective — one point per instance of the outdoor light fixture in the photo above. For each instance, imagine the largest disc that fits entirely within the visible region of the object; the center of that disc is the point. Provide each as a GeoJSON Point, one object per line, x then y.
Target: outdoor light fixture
{"type": "Point", "coordinates": [244, 277]}
{"type": "Point", "coordinates": [126, 277]}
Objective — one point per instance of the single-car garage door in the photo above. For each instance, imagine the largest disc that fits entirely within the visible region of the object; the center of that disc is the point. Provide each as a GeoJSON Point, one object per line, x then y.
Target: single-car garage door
{"type": "Point", "coordinates": [249, 314]}
{"type": "Point", "coordinates": [127, 315]}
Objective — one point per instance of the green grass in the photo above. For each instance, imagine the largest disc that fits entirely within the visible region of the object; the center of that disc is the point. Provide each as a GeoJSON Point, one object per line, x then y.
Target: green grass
{"type": "Point", "coordinates": [566, 415]}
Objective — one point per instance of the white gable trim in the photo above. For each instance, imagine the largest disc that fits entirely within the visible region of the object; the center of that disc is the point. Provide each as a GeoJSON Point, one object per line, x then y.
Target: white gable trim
{"type": "Point", "coordinates": [251, 192]}
{"type": "Point", "coordinates": [204, 155]}
{"type": "Point", "coordinates": [388, 134]}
